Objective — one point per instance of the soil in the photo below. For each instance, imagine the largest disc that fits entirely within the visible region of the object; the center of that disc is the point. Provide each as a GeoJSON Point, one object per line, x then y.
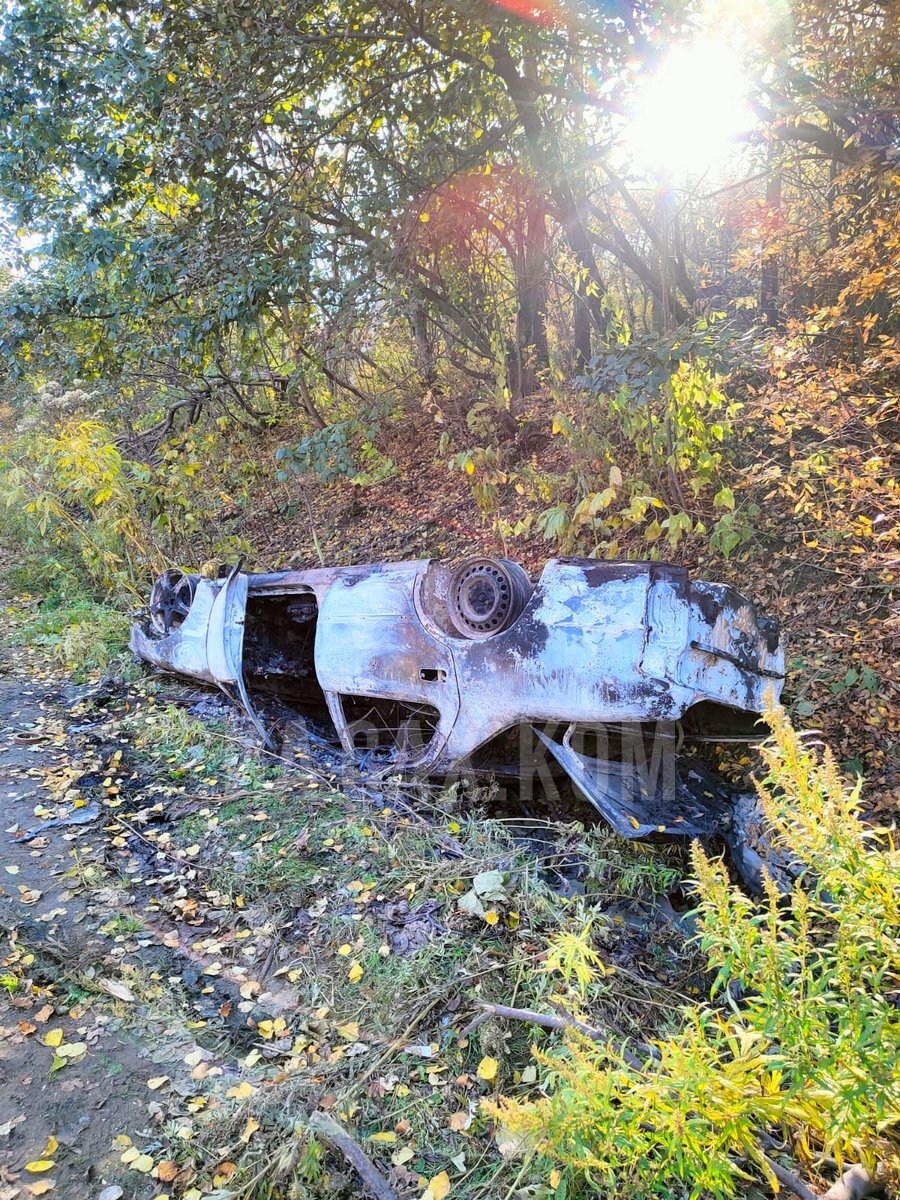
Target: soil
{"type": "Point", "coordinates": [90, 1101]}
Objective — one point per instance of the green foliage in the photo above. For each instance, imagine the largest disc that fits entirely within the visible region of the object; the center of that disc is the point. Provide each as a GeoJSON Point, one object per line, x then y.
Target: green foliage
{"type": "Point", "coordinates": [572, 955]}
{"type": "Point", "coordinates": [646, 443]}
{"type": "Point", "coordinates": [343, 450]}
{"type": "Point", "coordinates": [67, 485]}
{"type": "Point", "coordinates": [81, 635]}
{"type": "Point", "coordinates": [666, 393]}
{"type": "Point", "coordinates": [801, 1033]}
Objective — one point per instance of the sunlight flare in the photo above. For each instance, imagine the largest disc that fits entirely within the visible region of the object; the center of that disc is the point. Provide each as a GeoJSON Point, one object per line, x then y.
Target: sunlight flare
{"type": "Point", "coordinates": [689, 111]}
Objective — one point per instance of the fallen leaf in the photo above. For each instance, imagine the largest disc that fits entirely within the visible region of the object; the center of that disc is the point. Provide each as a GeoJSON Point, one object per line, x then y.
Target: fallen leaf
{"type": "Point", "coordinates": [487, 1069]}
{"type": "Point", "coordinates": [143, 1163]}
{"type": "Point", "coordinates": [39, 1165]}
{"type": "Point", "coordinates": [12, 870]}
{"type": "Point", "coordinates": [438, 1187]}
{"type": "Point", "coordinates": [355, 973]}
{"type": "Point", "coordinates": [349, 1031]}
{"type": "Point", "coordinates": [223, 1172]}
{"type": "Point", "coordinates": [157, 1082]}
{"type": "Point", "coordinates": [72, 1049]}
{"type": "Point", "coordinates": [388, 1138]}
{"type": "Point", "coordinates": [243, 1091]}
{"type": "Point", "coordinates": [119, 990]}
{"type": "Point", "coordinates": [44, 1014]}
{"type": "Point", "coordinates": [460, 1121]}
{"type": "Point", "coordinates": [167, 1170]}
{"type": "Point", "coordinates": [53, 1037]}
{"type": "Point", "coordinates": [41, 1186]}
{"type": "Point", "coordinates": [113, 1192]}
{"type": "Point", "coordinates": [249, 1129]}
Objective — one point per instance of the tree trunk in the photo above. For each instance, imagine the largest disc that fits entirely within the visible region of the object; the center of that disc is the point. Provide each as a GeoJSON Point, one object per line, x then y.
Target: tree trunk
{"type": "Point", "coordinates": [581, 331]}
{"type": "Point", "coordinates": [570, 204]}
{"type": "Point", "coordinates": [768, 282]}
{"type": "Point", "coordinates": [531, 347]}
{"type": "Point", "coordinates": [425, 361]}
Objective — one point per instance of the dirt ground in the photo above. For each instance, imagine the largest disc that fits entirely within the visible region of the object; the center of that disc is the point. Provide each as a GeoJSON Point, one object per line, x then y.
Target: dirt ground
{"type": "Point", "coordinates": [105, 1012]}
{"type": "Point", "coordinates": [91, 1097]}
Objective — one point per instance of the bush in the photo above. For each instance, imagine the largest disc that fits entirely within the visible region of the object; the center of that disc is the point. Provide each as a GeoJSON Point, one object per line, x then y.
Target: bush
{"type": "Point", "coordinates": [812, 1048]}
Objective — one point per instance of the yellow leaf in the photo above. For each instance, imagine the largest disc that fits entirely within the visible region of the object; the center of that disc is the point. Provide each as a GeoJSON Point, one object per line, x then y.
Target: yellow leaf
{"type": "Point", "coordinates": [355, 973]}
{"type": "Point", "coordinates": [40, 1164]}
{"type": "Point", "coordinates": [249, 1129]}
{"type": "Point", "coordinates": [345, 949]}
{"type": "Point", "coordinates": [387, 1138]}
{"type": "Point", "coordinates": [555, 1178]}
{"type": "Point", "coordinates": [243, 1091]}
{"type": "Point", "coordinates": [487, 1069]}
{"type": "Point", "coordinates": [53, 1037]}
{"type": "Point", "coordinates": [349, 1031]}
{"type": "Point", "coordinates": [143, 1163]}
{"type": "Point", "coordinates": [157, 1082]}
{"type": "Point", "coordinates": [424, 218]}
{"type": "Point", "coordinates": [491, 917]}
{"type": "Point", "coordinates": [51, 1147]}
{"type": "Point", "coordinates": [438, 1187]}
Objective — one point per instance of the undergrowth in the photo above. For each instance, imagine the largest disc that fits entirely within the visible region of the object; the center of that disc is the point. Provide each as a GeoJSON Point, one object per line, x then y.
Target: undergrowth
{"type": "Point", "coordinates": [800, 1036]}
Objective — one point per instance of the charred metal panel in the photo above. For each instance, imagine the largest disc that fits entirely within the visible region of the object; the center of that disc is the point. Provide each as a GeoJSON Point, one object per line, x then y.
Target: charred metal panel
{"type": "Point", "coordinates": [641, 799]}
{"type": "Point", "coordinates": [371, 642]}
{"type": "Point", "coordinates": [184, 650]}
{"type": "Point", "coordinates": [573, 655]}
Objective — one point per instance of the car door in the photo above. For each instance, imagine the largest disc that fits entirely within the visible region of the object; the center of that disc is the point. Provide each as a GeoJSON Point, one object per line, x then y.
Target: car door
{"type": "Point", "coordinates": [225, 644]}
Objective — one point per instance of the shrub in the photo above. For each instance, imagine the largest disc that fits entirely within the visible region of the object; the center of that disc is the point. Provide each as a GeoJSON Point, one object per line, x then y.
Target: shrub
{"type": "Point", "coordinates": [812, 1049]}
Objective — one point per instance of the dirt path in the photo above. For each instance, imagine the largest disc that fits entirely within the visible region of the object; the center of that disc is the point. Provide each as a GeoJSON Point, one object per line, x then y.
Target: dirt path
{"type": "Point", "coordinates": [92, 1094]}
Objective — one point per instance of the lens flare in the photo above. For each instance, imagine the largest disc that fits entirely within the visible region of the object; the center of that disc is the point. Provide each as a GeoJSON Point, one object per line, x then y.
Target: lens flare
{"type": "Point", "coordinates": [689, 111]}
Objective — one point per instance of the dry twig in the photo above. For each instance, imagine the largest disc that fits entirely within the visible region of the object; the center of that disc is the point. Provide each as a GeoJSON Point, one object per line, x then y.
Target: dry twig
{"type": "Point", "coordinates": [338, 1138]}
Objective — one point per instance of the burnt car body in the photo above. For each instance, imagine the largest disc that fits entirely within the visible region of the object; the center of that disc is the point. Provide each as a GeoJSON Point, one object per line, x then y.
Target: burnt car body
{"type": "Point", "coordinates": [426, 668]}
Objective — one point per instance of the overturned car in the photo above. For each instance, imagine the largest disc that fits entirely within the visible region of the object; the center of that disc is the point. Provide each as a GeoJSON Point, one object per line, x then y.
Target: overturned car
{"type": "Point", "coordinates": [431, 669]}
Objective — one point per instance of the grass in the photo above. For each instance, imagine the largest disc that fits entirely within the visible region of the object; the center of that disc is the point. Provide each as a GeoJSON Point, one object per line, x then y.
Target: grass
{"type": "Point", "coordinates": [56, 612]}
{"type": "Point", "coordinates": [80, 635]}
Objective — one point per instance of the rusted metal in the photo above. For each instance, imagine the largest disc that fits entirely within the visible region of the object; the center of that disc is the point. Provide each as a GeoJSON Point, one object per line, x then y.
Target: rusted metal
{"type": "Point", "coordinates": [591, 645]}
